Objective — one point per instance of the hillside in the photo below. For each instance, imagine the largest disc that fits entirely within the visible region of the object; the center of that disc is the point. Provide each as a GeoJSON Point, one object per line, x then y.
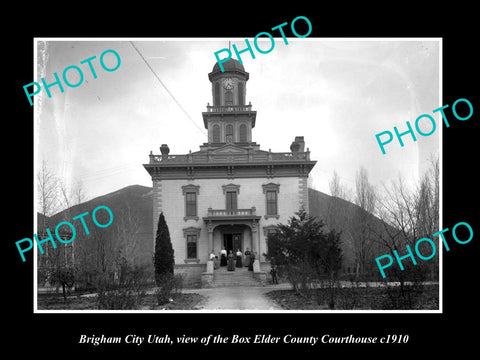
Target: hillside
{"type": "Point", "coordinates": [132, 210]}
{"type": "Point", "coordinates": [354, 223]}
{"type": "Point", "coordinates": [133, 222]}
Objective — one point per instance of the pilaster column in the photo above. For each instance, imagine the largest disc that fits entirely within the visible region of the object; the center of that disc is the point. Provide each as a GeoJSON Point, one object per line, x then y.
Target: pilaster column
{"type": "Point", "coordinates": [210, 237]}
{"type": "Point", "coordinates": [256, 234]}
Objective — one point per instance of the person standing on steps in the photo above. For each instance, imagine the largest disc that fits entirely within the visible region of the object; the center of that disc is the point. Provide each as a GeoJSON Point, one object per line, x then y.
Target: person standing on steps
{"type": "Point", "coordinates": [247, 258]}
{"type": "Point", "coordinates": [212, 258]}
{"type": "Point", "coordinates": [231, 262]}
{"type": "Point", "coordinates": [252, 260]}
{"type": "Point", "coordinates": [223, 257]}
{"type": "Point", "coordinates": [239, 258]}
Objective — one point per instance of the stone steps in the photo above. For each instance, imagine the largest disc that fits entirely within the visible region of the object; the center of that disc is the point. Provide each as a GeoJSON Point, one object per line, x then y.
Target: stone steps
{"type": "Point", "coordinates": [239, 277]}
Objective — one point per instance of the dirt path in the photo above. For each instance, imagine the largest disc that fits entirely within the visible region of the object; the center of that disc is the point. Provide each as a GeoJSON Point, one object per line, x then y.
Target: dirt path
{"type": "Point", "coordinates": [237, 298]}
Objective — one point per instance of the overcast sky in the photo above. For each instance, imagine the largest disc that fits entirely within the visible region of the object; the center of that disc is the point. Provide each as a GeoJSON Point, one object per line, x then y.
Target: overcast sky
{"type": "Point", "coordinates": [337, 93]}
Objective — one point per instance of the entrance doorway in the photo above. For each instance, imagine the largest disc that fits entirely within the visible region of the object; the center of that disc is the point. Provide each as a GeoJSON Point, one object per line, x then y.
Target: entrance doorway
{"type": "Point", "coordinates": [232, 242]}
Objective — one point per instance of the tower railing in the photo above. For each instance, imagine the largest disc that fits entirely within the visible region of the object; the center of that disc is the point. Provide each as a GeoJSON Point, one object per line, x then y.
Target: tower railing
{"type": "Point", "coordinates": [249, 157]}
{"type": "Point", "coordinates": [229, 108]}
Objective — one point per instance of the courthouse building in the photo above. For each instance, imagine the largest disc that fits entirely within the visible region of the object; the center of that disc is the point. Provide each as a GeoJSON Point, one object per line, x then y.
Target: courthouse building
{"type": "Point", "coordinates": [229, 194]}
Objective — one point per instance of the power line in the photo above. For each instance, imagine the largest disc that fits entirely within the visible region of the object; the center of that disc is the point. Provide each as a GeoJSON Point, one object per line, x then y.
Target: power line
{"type": "Point", "coordinates": [165, 87]}
{"type": "Point", "coordinates": [107, 172]}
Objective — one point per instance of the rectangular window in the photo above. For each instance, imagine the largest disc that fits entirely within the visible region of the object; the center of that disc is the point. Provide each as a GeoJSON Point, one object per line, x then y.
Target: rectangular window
{"type": "Point", "coordinates": [231, 200]}
{"type": "Point", "coordinates": [271, 203]}
{"type": "Point", "coordinates": [191, 246]}
{"type": "Point", "coordinates": [191, 204]}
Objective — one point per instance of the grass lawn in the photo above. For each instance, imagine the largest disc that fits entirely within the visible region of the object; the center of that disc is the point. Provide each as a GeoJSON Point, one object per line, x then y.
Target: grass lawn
{"type": "Point", "coordinates": [367, 298]}
{"type": "Point", "coordinates": [149, 302]}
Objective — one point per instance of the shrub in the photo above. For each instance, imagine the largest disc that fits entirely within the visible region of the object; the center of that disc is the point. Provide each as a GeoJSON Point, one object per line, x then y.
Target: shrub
{"type": "Point", "coordinates": [119, 299]}
{"type": "Point", "coordinates": [407, 288]}
{"type": "Point", "coordinates": [167, 285]}
{"type": "Point", "coordinates": [126, 293]}
{"type": "Point", "coordinates": [306, 255]}
{"type": "Point", "coordinates": [63, 276]}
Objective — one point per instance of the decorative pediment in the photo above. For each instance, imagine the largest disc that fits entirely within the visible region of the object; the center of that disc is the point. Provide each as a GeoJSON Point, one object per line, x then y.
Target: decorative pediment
{"type": "Point", "coordinates": [191, 188]}
{"type": "Point", "coordinates": [231, 187]}
{"type": "Point", "coordinates": [271, 187]}
{"type": "Point", "coordinates": [191, 231]}
{"type": "Point", "coordinates": [229, 149]}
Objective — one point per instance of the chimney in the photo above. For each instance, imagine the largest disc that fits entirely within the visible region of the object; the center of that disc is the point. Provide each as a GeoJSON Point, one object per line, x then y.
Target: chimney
{"type": "Point", "coordinates": [164, 149]}
{"type": "Point", "coordinates": [298, 145]}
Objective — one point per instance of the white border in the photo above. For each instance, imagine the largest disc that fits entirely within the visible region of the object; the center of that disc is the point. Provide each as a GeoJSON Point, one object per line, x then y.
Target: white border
{"type": "Point", "coordinates": [35, 158]}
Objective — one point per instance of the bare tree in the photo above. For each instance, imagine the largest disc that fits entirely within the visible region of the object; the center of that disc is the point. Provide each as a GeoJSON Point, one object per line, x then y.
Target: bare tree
{"type": "Point", "coordinates": [127, 229]}
{"type": "Point", "coordinates": [78, 192]}
{"type": "Point", "coordinates": [47, 197]}
{"type": "Point", "coordinates": [414, 211]}
{"type": "Point", "coordinates": [338, 216]}
{"type": "Point", "coordinates": [427, 209]}
{"type": "Point", "coordinates": [70, 196]}
{"type": "Point", "coordinates": [337, 189]}
{"type": "Point", "coordinates": [428, 201]}
{"type": "Point", "coordinates": [365, 195]}
{"type": "Point", "coordinates": [56, 265]}
{"type": "Point", "coordinates": [365, 199]}
{"type": "Point", "coordinates": [98, 253]}
{"type": "Point", "coordinates": [409, 214]}
{"type": "Point", "coordinates": [397, 212]}
{"type": "Point", "coordinates": [47, 190]}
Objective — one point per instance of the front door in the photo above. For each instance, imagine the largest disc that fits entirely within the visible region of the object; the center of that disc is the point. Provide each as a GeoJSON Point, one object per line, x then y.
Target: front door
{"type": "Point", "coordinates": [232, 242]}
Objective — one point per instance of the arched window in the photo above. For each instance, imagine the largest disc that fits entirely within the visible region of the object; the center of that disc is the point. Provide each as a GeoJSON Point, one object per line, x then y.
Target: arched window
{"type": "Point", "coordinates": [228, 98]}
{"type": "Point", "coordinates": [240, 94]}
{"type": "Point", "coordinates": [216, 134]}
{"type": "Point", "coordinates": [229, 133]}
{"type": "Point", "coordinates": [216, 95]}
{"type": "Point", "coordinates": [243, 133]}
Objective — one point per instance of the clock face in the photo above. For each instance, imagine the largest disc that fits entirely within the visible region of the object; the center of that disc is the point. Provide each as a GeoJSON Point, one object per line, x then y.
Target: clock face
{"type": "Point", "coordinates": [228, 83]}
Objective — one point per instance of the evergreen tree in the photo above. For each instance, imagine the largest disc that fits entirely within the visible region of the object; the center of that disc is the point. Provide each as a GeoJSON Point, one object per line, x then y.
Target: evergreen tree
{"type": "Point", "coordinates": [305, 253]}
{"type": "Point", "coordinates": [163, 257]}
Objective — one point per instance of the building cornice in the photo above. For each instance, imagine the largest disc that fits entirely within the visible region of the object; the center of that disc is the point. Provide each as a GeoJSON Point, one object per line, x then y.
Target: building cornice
{"type": "Point", "coordinates": [267, 170]}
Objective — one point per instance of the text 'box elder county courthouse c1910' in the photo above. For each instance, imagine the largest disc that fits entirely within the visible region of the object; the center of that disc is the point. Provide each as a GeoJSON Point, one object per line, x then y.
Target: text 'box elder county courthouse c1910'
{"type": "Point", "coordinates": [230, 194]}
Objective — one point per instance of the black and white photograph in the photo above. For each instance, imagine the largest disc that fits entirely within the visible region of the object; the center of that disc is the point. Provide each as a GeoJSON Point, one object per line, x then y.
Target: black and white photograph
{"type": "Point", "coordinates": [259, 182]}
{"type": "Point", "coordinates": [252, 188]}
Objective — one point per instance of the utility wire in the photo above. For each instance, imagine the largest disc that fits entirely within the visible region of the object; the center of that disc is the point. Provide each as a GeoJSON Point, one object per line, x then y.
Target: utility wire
{"type": "Point", "coordinates": [168, 91]}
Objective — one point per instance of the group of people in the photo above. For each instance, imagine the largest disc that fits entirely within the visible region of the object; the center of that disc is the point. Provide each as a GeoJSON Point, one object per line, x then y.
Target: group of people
{"type": "Point", "coordinates": [239, 260]}
{"type": "Point", "coordinates": [232, 261]}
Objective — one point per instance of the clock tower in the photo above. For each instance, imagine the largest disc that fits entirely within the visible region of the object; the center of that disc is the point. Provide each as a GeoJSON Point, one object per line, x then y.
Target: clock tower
{"type": "Point", "coordinates": [229, 119]}
{"type": "Point", "coordinates": [230, 194]}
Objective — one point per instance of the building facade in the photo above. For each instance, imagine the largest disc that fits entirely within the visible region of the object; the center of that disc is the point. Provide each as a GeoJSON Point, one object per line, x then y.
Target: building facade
{"type": "Point", "coordinates": [230, 194]}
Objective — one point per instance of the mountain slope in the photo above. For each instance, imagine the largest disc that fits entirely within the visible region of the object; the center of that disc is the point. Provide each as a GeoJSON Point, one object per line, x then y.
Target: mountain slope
{"type": "Point", "coordinates": [132, 228]}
